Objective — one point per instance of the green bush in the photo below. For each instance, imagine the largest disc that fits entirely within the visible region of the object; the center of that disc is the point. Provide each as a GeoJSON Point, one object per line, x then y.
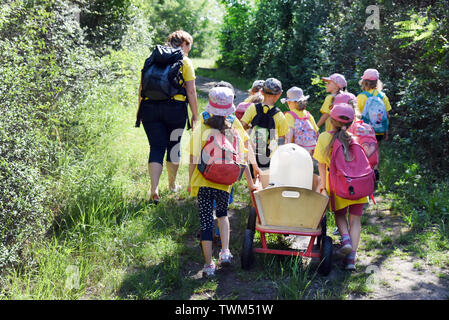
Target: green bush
{"type": "Point", "coordinates": [43, 73]}
{"type": "Point", "coordinates": [300, 41]}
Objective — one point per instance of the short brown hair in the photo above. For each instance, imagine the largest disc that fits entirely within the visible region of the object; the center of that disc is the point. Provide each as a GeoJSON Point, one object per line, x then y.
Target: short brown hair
{"type": "Point", "coordinates": [177, 38]}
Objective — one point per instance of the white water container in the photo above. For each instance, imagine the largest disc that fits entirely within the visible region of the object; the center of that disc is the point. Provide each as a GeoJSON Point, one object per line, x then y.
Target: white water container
{"type": "Point", "coordinates": [291, 165]}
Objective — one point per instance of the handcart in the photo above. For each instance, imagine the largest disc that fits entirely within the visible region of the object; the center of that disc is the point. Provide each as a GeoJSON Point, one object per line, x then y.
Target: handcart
{"type": "Point", "coordinates": [288, 210]}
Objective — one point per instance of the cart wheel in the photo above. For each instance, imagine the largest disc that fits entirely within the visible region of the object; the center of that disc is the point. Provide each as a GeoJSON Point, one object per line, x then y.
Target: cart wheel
{"type": "Point", "coordinates": [247, 250]}
{"type": "Point", "coordinates": [323, 230]}
{"type": "Point", "coordinates": [326, 256]}
{"type": "Point", "coordinates": [252, 217]}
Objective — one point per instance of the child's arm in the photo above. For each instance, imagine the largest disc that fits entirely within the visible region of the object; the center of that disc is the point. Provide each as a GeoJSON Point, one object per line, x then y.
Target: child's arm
{"type": "Point", "coordinates": [249, 180]}
{"type": "Point", "coordinates": [245, 125]}
{"type": "Point", "coordinates": [192, 165]}
{"type": "Point", "coordinates": [289, 136]}
{"type": "Point", "coordinates": [252, 159]}
{"type": "Point", "coordinates": [323, 119]}
{"type": "Point", "coordinates": [386, 133]}
{"type": "Point", "coordinates": [322, 171]}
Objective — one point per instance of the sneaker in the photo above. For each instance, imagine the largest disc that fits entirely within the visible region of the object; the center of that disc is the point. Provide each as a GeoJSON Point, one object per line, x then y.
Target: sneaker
{"type": "Point", "coordinates": [155, 199]}
{"type": "Point", "coordinates": [350, 264]}
{"type": "Point", "coordinates": [176, 189]}
{"type": "Point", "coordinates": [225, 258]}
{"type": "Point", "coordinates": [343, 251]}
{"type": "Point", "coordinates": [209, 270]}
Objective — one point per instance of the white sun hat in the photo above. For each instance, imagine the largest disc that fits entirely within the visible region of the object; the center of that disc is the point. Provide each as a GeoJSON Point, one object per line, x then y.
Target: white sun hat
{"type": "Point", "coordinates": [295, 94]}
{"type": "Point", "coordinates": [221, 101]}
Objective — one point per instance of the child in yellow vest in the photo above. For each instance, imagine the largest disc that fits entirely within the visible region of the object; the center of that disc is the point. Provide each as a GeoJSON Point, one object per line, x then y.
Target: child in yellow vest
{"type": "Point", "coordinates": [297, 103]}
{"type": "Point", "coordinates": [255, 89]}
{"type": "Point", "coordinates": [272, 91]}
{"type": "Point", "coordinates": [218, 116]}
{"type": "Point", "coordinates": [342, 116]}
{"type": "Point", "coordinates": [371, 84]}
{"type": "Point", "coordinates": [303, 128]}
{"type": "Point", "coordinates": [335, 84]}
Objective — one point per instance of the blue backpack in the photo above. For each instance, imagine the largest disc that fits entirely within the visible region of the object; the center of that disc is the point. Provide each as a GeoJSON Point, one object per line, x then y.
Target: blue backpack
{"type": "Point", "coordinates": [375, 113]}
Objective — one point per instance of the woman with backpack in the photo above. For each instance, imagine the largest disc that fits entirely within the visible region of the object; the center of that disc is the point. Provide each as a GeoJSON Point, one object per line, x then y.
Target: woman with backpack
{"type": "Point", "coordinates": [164, 117]}
{"type": "Point", "coordinates": [217, 157]}
{"type": "Point", "coordinates": [328, 144]}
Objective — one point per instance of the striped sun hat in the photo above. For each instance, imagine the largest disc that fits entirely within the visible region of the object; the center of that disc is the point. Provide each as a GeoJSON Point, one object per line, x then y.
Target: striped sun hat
{"type": "Point", "coordinates": [221, 101]}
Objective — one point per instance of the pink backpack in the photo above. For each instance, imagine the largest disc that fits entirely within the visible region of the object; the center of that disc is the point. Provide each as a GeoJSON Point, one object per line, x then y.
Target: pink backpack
{"type": "Point", "coordinates": [352, 179]}
{"type": "Point", "coordinates": [241, 108]}
{"type": "Point", "coordinates": [221, 160]}
{"type": "Point", "coordinates": [364, 135]}
{"type": "Point", "coordinates": [304, 134]}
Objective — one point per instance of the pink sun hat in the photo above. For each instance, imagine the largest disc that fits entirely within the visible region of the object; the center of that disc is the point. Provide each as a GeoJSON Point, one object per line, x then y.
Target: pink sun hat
{"type": "Point", "coordinates": [344, 97]}
{"type": "Point", "coordinates": [370, 74]}
{"type": "Point", "coordinates": [339, 79]}
{"type": "Point", "coordinates": [343, 112]}
{"type": "Point", "coordinates": [221, 101]}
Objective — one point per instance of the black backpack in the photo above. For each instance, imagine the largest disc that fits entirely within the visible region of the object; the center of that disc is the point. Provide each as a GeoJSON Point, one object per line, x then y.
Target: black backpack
{"type": "Point", "coordinates": [161, 74]}
{"type": "Point", "coordinates": [261, 133]}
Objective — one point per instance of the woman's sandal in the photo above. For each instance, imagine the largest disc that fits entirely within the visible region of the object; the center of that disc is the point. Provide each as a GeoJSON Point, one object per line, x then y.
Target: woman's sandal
{"type": "Point", "coordinates": [155, 199]}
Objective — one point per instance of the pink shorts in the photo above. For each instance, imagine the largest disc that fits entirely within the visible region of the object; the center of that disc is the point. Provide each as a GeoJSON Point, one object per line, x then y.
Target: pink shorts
{"type": "Point", "coordinates": [354, 209]}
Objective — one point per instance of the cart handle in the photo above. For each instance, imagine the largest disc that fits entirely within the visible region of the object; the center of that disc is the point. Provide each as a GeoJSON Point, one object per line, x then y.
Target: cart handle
{"type": "Point", "coordinates": [290, 194]}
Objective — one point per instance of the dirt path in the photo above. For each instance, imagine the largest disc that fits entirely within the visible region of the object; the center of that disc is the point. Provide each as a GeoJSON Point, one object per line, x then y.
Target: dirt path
{"type": "Point", "coordinates": [203, 86]}
{"type": "Point", "coordinates": [386, 268]}
{"type": "Point", "coordinates": [397, 272]}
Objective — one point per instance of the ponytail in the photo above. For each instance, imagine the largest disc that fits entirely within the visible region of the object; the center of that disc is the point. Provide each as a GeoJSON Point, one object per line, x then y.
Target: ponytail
{"type": "Point", "coordinates": [340, 90]}
{"type": "Point", "coordinates": [343, 136]}
{"type": "Point", "coordinates": [219, 123]}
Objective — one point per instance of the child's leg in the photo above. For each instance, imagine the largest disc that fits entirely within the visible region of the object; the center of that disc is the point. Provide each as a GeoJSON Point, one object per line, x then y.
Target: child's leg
{"type": "Point", "coordinates": [355, 224]}
{"type": "Point", "coordinates": [341, 221]}
{"type": "Point", "coordinates": [205, 208]}
{"type": "Point", "coordinates": [223, 226]}
{"type": "Point", "coordinates": [355, 218]}
{"type": "Point", "coordinates": [343, 228]}
{"type": "Point", "coordinates": [221, 211]}
{"type": "Point", "coordinates": [207, 251]}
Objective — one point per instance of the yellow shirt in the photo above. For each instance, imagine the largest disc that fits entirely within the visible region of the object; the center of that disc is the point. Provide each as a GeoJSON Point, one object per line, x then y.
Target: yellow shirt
{"type": "Point", "coordinates": [188, 73]}
{"type": "Point", "coordinates": [322, 157]}
{"type": "Point", "coordinates": [300, 113]}
{"type": "Point", "coordinates": [280, 123]}
{"type": "Point", "coordinates": [197, 142]}
{"type": "Point", "coordinates": [326, 108]}
{"type": "Point", "coordinates": [361, 101]}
